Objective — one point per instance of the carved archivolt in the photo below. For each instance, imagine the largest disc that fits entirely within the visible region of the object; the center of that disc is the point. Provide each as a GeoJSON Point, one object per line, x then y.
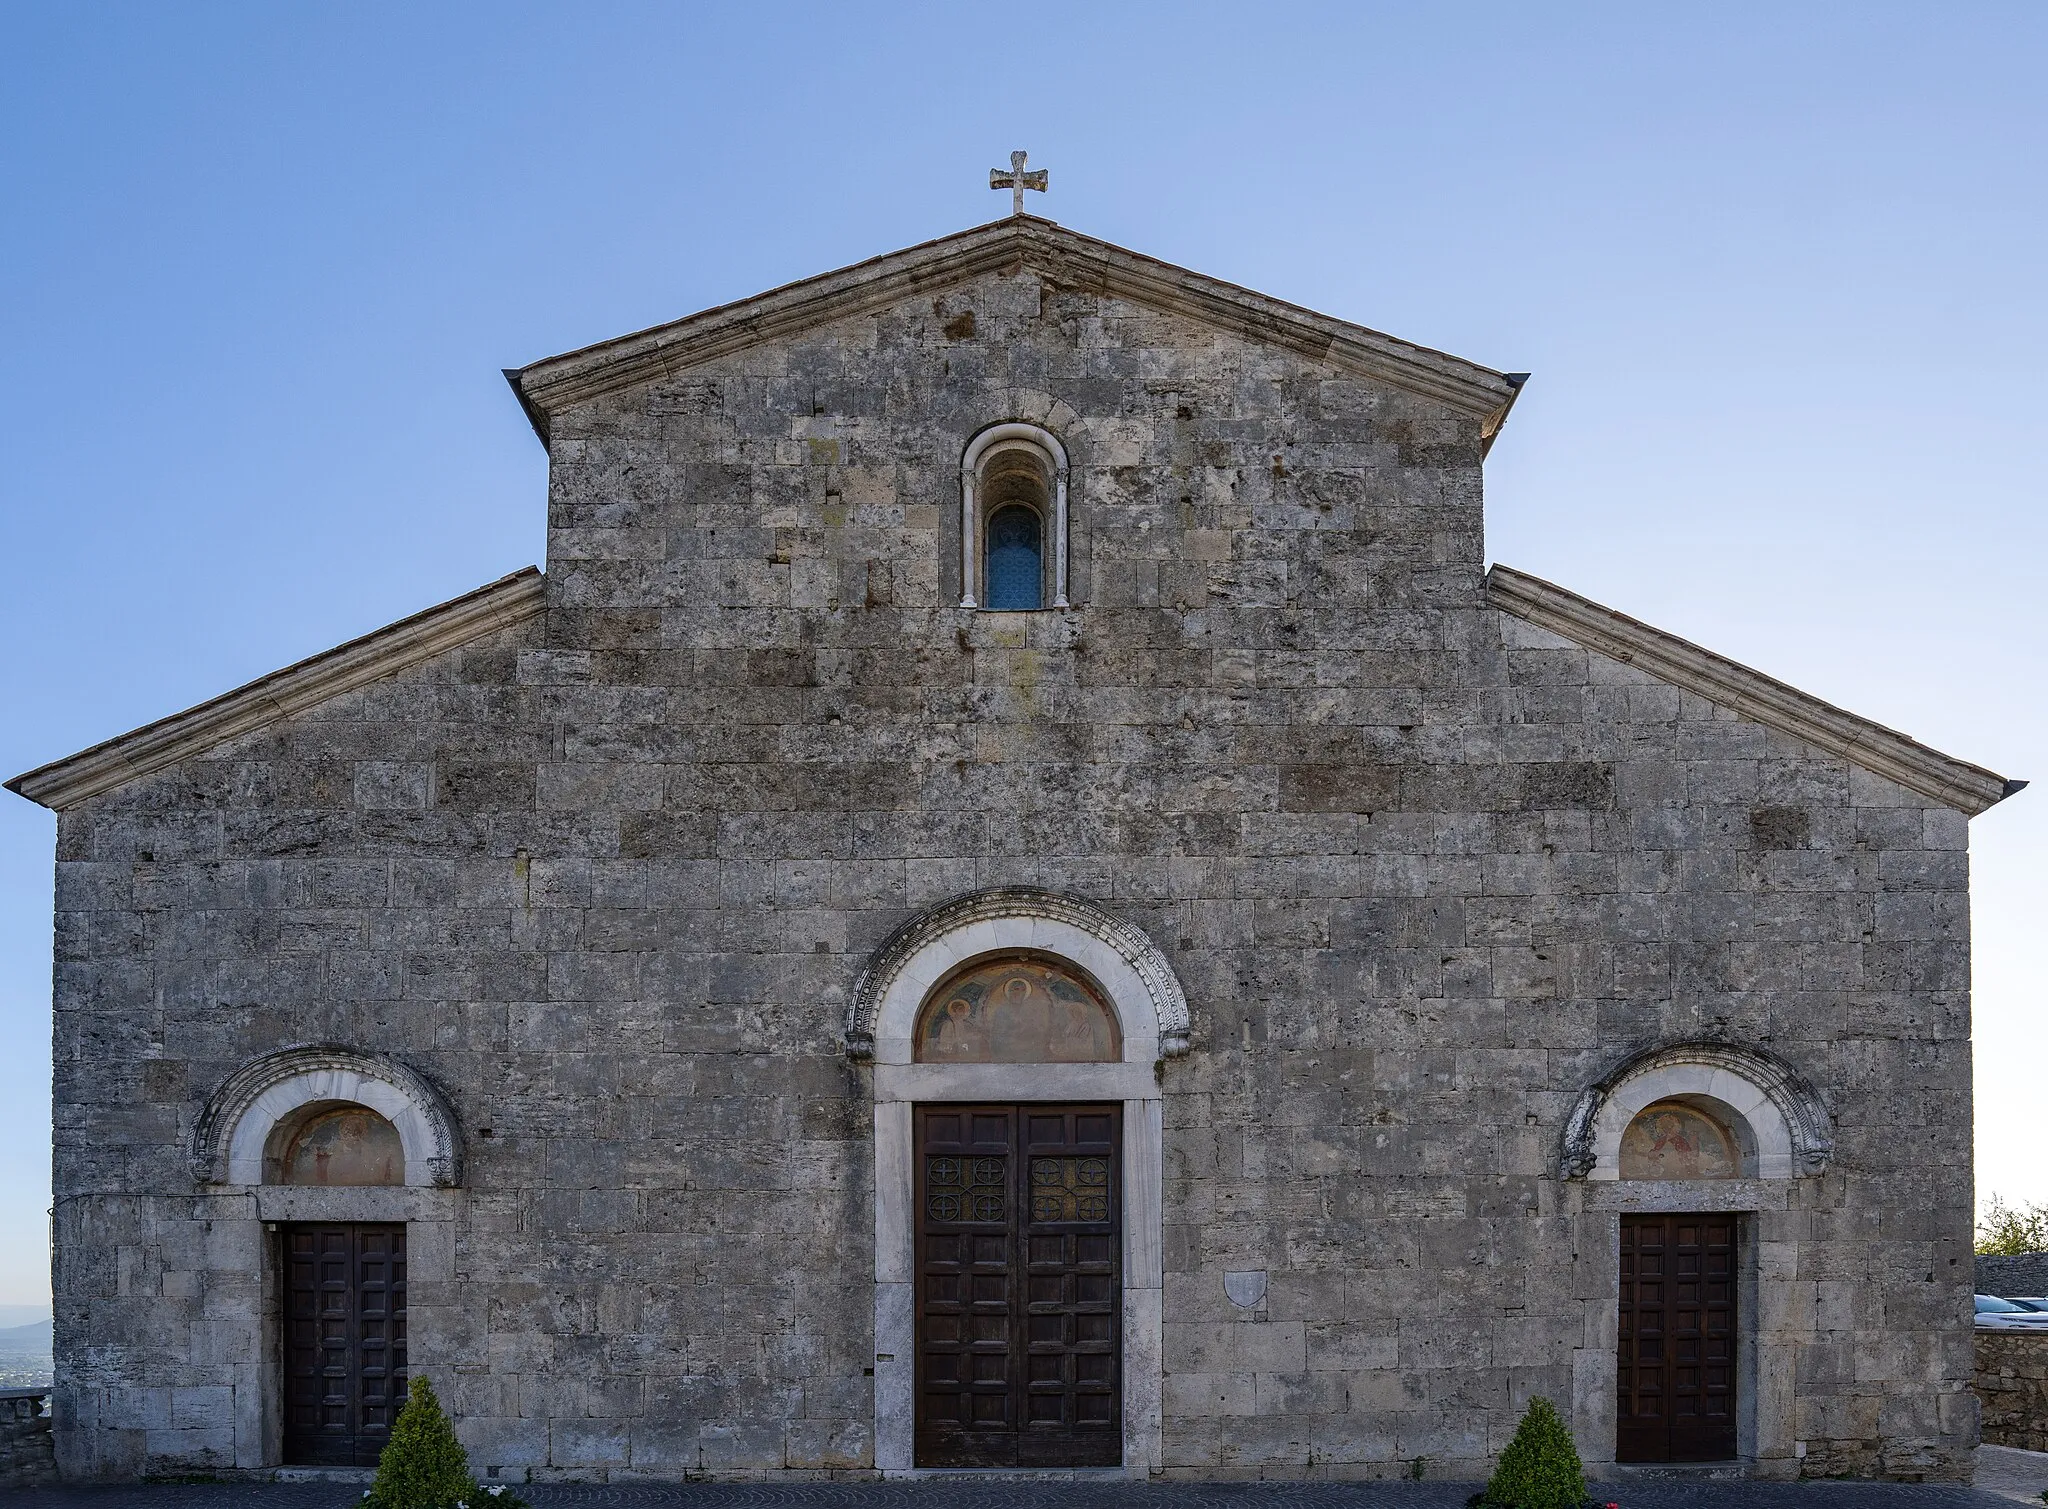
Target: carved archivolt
{"type": "Point", "coordinates": [1792, 1130]}
{"type": "Point", "coordinates": [228, 1146]}
{"type": "Point", "coordinates": [1012, 909]}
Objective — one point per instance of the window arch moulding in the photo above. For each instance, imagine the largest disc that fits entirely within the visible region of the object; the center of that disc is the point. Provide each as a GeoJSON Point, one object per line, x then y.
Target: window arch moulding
{"type": "Point", "coordinates": [1773, 1110]}
{"type": "Point", "coordinates": [1043, 452]}
{"type": "Point", "coordinates": [234, 1131]}
{"type": "Point", "coordinates": [911, 961]}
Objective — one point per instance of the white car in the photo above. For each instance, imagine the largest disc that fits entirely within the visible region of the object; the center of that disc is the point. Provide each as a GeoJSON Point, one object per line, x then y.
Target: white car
{"type": "Point", "coordinates": [1994, 1314]}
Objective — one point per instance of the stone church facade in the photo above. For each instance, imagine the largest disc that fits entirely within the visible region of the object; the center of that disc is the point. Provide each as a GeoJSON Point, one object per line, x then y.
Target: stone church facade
{"type": "Point", "coordinates": [1016, 895]}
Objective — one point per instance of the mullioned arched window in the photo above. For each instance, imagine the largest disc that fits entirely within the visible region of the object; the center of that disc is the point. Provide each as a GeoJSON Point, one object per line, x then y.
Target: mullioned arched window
{"type": "Point", "coordinates": [1013, 520]}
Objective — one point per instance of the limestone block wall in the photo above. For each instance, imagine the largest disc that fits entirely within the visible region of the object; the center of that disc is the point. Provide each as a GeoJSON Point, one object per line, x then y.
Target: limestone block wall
{"type": "Point", "coordinates": [1424, 872]}
{"type": "Point", "coordinates": [26, 1458]}
{"type": "Point", "coordinates": [2012, 1389]}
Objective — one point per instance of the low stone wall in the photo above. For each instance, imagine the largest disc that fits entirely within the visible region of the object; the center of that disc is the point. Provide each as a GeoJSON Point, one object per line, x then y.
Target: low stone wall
{"type": "Point", "coordinates": [2012, 1388]}
{"type": "Point", "coordinates": [2025, 1273]}
{"type": "Point", "coordinates": [26, 1460]}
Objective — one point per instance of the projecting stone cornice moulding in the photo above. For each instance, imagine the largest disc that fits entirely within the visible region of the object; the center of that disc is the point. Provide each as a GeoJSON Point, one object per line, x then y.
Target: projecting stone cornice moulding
{"type": "Point", "coordinates": [66, 782]}
{"type": "Point", "coordinates": [1760, 698]}
{"type": "Point", "coordinates": [1072, 260]}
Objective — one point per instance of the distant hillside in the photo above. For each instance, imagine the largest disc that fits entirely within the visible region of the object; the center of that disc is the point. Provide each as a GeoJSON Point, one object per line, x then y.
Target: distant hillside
{"type": "Point", "coordinates": [32, 1339]}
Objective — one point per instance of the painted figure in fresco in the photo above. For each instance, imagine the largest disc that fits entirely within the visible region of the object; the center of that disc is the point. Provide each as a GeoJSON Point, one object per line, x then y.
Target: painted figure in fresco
{"type": "Point", "coordinates": [946, 1038]}
{"type": "Point", "coordinates": [349, 1146]}
{"type": "Point", "coordinates": [1673, 1141]}
{"type": "Point", "coordinates": [1016, 1011]}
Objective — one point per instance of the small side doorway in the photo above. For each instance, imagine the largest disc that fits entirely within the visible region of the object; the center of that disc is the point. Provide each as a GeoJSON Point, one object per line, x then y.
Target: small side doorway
{"type": "Point", "coordinates": [1676, 1372]}
{"type": "Point", "coordinates": [1019, 1286]}
{"type": "Point", "coordinates": [344, 1341]}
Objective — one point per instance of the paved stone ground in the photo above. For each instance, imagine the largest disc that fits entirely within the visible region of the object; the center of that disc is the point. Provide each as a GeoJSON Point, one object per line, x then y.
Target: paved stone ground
{"type": "Point", "coordinates": [982, 1494]}
{"type": "Point", "coordinates": [2020, 1475]}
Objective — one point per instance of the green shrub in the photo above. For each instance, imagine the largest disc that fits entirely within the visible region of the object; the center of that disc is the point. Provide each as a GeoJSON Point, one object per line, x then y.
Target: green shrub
{"type": "Point", "coordinates": [1540, 1469]}
{"type": "Point", "coordinates": [424, 1466]}
{"type": "Point", "coordinates": [2007, 1231]}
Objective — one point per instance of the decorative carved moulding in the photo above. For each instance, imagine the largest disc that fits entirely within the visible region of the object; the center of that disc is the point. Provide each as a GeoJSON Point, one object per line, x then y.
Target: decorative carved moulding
{"type": "Point", "coordinates": [1807, 1123]}
{"type": "Point", "coordinates": [227, 1144]}
{"type": "Point", "coordinates": [1169, 1002]}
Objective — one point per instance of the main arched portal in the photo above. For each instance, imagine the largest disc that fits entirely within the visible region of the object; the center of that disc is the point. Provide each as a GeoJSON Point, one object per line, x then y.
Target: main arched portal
{"type": "Point", "coordinates": [1015, 1035]}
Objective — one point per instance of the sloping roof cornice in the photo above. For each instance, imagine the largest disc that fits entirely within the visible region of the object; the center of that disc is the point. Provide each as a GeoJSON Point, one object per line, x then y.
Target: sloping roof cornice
{"type": "Point", "coordinates": [546, 387]}
{"type": "Point", "coordinates": [1760, 698]}
{"type": "Point", "coordinates": [64, 783]}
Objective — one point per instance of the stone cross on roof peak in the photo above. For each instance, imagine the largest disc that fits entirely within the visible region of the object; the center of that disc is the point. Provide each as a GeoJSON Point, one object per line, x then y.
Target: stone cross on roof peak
{"type": "Point", "coordinates": [1017, 180]}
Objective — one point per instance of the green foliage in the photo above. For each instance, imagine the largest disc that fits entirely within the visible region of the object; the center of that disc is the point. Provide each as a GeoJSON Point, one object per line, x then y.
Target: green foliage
{"type": "Point", "coordinates": [424, 1466]}
{"type": "Point", "coordinates": [2007, 1232]}
{"type": "Point", "coordinates": [1540, 1469]}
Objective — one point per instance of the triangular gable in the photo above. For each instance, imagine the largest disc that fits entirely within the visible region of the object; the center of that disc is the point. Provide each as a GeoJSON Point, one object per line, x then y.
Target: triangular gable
{"type": "Point", "coordinates": [1760, 698]}
{"type": "Point", "coordinates": [1070, 259]}
{"type": "Point", "coordinates": [64, 783]}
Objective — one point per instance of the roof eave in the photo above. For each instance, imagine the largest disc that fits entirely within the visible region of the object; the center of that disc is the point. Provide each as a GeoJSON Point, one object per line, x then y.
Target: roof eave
{"type": "Point", "coordinates": [127, 757]}
{"type": "Point", "coordinates": [1491, 426]}
{"type": "Point", "coordinates": [1762, 699]}
{"type": "Point", "coordinates": [535, 414]}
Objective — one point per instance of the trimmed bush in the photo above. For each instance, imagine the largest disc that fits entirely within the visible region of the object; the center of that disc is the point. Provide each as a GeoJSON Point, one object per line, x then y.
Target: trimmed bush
{"type": "Point", "coordinates": [1540, 1469]}
{"type": "Point", "coordinates": [424, 1466]}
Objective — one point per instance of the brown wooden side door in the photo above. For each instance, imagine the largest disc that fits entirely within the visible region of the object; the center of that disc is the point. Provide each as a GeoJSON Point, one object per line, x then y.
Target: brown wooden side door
{"type": "Point", "coordinates": [344, 1341]}
{"type": "Point", "coordinates": [1019, 1286]}
{"type": "Point", "coordinates": [1676, 1346]}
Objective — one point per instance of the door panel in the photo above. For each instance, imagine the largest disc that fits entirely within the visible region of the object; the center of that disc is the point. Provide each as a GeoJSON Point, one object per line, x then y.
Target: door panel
{"type": "Point", "coordinates": [1676, 1343]}
{"type": "Point", "coordinates": [1020, 1286]}
{"type": "Point", "coordinates": [344, 1341]}
{"type": "Point", "coordinates": [966, 1278]}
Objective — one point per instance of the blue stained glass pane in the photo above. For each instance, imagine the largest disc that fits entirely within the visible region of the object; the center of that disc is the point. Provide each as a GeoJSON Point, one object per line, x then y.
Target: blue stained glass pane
{"type": "Point", "coordinates": [1015, 572]}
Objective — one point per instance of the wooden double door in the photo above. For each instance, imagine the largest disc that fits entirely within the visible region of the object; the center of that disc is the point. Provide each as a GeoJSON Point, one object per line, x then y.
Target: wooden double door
{"type": "Point", "coordinates": [1019, 1285]}
{"type": "Point", "coordinates": [344, 1341]}
{"type": "Point", "coordinates": [1677, 1339]}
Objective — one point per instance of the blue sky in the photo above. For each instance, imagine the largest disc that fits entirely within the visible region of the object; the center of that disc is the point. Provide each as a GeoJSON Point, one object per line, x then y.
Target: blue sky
{"type": "Point", "coordinates": [1776, 269]}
